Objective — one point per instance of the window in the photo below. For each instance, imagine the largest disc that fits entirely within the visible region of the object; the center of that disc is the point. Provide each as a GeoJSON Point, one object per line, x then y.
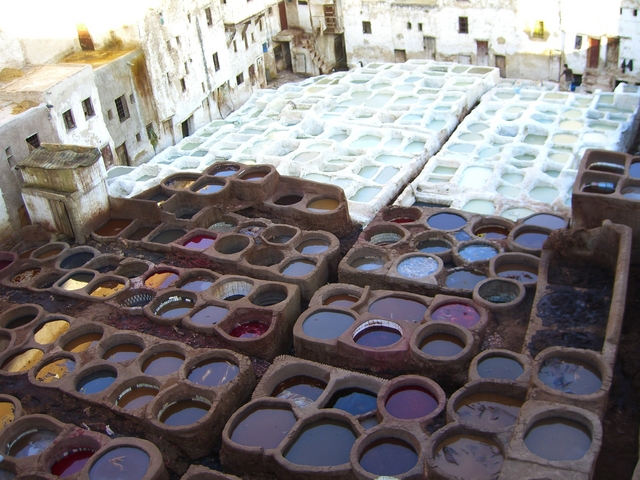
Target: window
{"type": "Point", "coordinates": [9, 154]}
{"type": "Point", "coordinates": [183, 84]}
{"type": "Point", "coordinates": [151, 134]}
{"type": "Point", "coordinates": [235, 46]}
{"type": "Point", "coordinates": [178, 40]}
{"type": "Point", "coordinates": [244, 39]}
{"type": "Point", "coordinates": [303, 2]}
{"type": "Point", "coordinates": [87, 108]}
{"type": "Point", "coordinates": [420, 27]}
{"type": "Point", "coordinates": [223, 2]}
{"type": "Point", "coordinates": [408, 25]}
{"type": "Point", "coordinates": [189, 17]}
{"type": "Point", "coordinates": [261, 25]}
{"type": "Point", "coordinates": [110, 114]}
{"type": "Point", "coordinates": [635, 12]}
{"type": "Point", "coordinates": [202, 87]}
{"type": "Point", "coordinates": [33, 141]}
{"type": "Point", "coordinates": [138, 137]}
{"type": "Point", "coordinates": [207, 13]}
{"type": "Point", "coordinates": [270, 10]}
{"type": "Point", "coordinates": [216, 62]}
{"type": "Point", "coordinates": [186, 67]}
{"type": "Point", "coordinates": [578, 44]}
{"type": "Point", "coordinates": [69, 121]}
{"type": "Point", "coordinates": [538, 29]}
{"type": "Point", "coordinates": [168, 44]}
{"type": "Point", "coordinates": [366, 27]}
{"type": "Point", "coordinates": [253, 38]}
{"type": "Point", "coordinates": [132, 99]}
{"type": "Point", "coordinates": [463, 25]}
{"type": "Point", "coordinates": [122, 109]}
{"type": "Point", "coordinates": [168, 78]}
{"type": "Point", "coordinates": [240, 79]}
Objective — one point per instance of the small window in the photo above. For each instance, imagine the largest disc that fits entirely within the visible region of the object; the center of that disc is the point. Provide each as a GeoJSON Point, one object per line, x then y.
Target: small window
{"type": "Point", "coordinates": [216, 62]}
{"type": "Point", "coordinates": [240, 79]}
{"type": "Point", "coordinates": [366, 27]}
{"type": "Point", "coordinates": [9, 154]}
{"type": "Point", "coordinates": [132, 99]}
{"type": "Point", "coordinates": [186, 67]}
{"type": "Point", "coordinates": [168, 44]}
{"type": "Point", "coordinates": [138, 137]}
{"type": "Point", "coordinates": [151, 134]}
{"type": "Point", "coordinates": [110, 114]}
{"type": "Point", "coordinates": [168, 78]}
{"type": "Point", "coordinates": [122, 109]}
{"type": "Point", "coordinates": [87, 108]}
{"type": "Point", "coordinates": [69, 121]}
{"type": "Point", "coordinates": [223, 2]}
{"type": "Point", "coordinates": [33, 141]}
{"type": "Point", "coordinates": [408, 25]}
{"type": "Point", "coordinates": [253, 38]}
{"type": "Point", "coordinates": [260, 25]}
{"type": "Point", "coordinates": [207, 13]}
{"type": "Point", "coordinates": [202, 87]}
{"type": "Point", "coordinates": [178, 40]}
{"type": "Point", "coordinates": [189, 17]}
{"type": "Point", "coordinates": [635, 12]}
{"type": "Point", "coordinates": [244, 39]}
{"type": "Point", "coordinates": [578, 44]}
{"type": "Point", "coordinates": [420, 27]}
{"type": "Point", "coordinates": [463, 25]}
{"type": "Point", "coordinates": [538, 29]}
{"type": "Point", "coordinates": [183, 84]}
{"type": "Point", "coordinates": [270, 10]}
{"type": "Point", "coordinates": [303, 2]}
{"type": "Point", "coordinates": [235, 46]}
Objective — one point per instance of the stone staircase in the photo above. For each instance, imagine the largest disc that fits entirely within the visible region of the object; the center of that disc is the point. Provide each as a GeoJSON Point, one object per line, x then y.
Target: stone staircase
{"type": "Point", "coordinates": [307, 42]}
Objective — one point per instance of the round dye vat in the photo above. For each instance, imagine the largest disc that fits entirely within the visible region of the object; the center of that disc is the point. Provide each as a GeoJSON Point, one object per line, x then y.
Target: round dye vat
{"type": "Point", "coordinates": [411, 402]}
{"type": "Point", "coordinates": [634, 170]}
{"type": "Point", "coordinates": [76, 260]}
{"type": "Point", "coordinates": [49, 332]}
{"type": "Point", "coordinates": [324, 443]}
{"type": "Point", "coordinates": [398, 308]}
{"type": "Point", "coordinates": [303, 390]}
{"type": "Point", "coordinates": [632, 193]}
{"type": "Point", "coordinates": [264, 427]}
{"type": "Point", "coordinates": [603, 188]}
{"type": "Point", "coordinates": [492, 232]}
{"type": "Point", "coordinates": [313, 247]}
{"type": "Point", "coordinates": [226, 171]}
{"type": "Point", "coordinates": [446, 221]}
{"type": "Point", "coordinates": [7, 414]}
{"type": "Point", "coordinates": [500, 367]}
{"type": "Point", "coordinates": [388, 456]}
{"type": "Point", "coordinates": [288, 200]}
{"type": "Point", "coordinates": [250, 329]}
{"type": "Point", "coordinates": [52, 252]}
{"type": "Point", "coordinates": [417, 267]}
{"type": "Point", "coordinates": [343, 300]}
{"type": "Point", "coordinates": [122, 352]}
{"type": "Point", "coordinates": [5, 263]}
{"type": "Point", "coordinates": [106, 289]}
{"type": "Point", "coordinates": [489, 410]}
{"type": "Point", "coordinates": [469, 456]}
{"type": "Point", "coordinates": [607, 167]}
{"type": "Point", "coordinates": [544, 194]}
{"type": "Point", "coordinates": [441, 345]}
{"type": "Point", "coordinates": [299, 268]}
{"type": "Point", "coordinates": [123, 463]}
{"type": "Point", "coordinates": [183, 412]}
{"type": "Point", "coordinates": [163, 363]}
{"type": "Point", "coordinates": [23, 361]}
{"type": "Point", "coordinates": [280, 239]}
{"type": "Point", "coordinates": [355, 401]}
{"type": "Point", "coordinates": [253, 176]}
{"type": "Point", "coordinates": [27, 253]}
{"type": "Point", "coordinates": [77, 281]}
{"type": "Point", "coordinates": [367, 263]}
{"type": "Point", "coordinates": [96, 382]}
{"type": "Point", "coordinates": [174, 307]}
{"type": "Point", "coordinates": [140, 233]}
{"type": "Point", "coordinates": [198, 284]}
{"type": "Point", "coordinates": [213, 373]}
{"type": "Point", "coordinates": [180, 183]}
{"type": "Point", "coordinates": [376, 335]}
{"type": "Point", "coordinates": [558, 439]}
{"type": "Point", "coordinates": [72, 462]}
{"type": "Point", "coordinates": [210, 188]}
{"type": "Point", "coordinates": [327, 325]}
{"type": "Point", "coordinates": [137, 397]}
{"type": "Point", "coordinates": [385, 238]}
{"type": "Point", "coordinates": [463, 280]}
{"type": "Point", "coordinates": [200, 242]}
{"type": "Point", "coordinates": [570, 376]}
{"type": "Point", "coordinates": [112, 228]}
{"type": "Point", "coordinates": [83, 343]}
{"type": "Point", "coordinates": [209, 315]}
{"type": "Point", "coordinates": [462, 236]}
{"type": "Point", "coordinates": [478, 252]}
{"type": "Point", "coordinates": [458, 313]}
{"type": "Point", "coordinates": [168, 236]}
{"type": "Point", "coordinates": [25, 275]}
{"type": "Point", "coordinates": [518, 271]}
{"type": "Point", "coordinates": [323, 205]}
{"type": "Point", "coordinates": [160, 280]}
{"type": "Point", "coordinates": [532, 240]}
{"type": "Point", "coordinates": [32, 442]}
{"type": "Point", "coordinates": [20, 321]}
{"type": "Point", "coordinates": [56, 370]}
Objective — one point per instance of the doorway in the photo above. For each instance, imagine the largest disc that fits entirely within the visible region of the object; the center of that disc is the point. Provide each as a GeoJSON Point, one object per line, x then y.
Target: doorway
{"type": "Point", "coordinates": [282, 10]}
{"type": "Point", "coordinates": [400, 56]}
{"type": "Point", "coordinates": [429, 46]}
{"type": "Point", "coordinates": [593, 53]}
{"type": "Point", "coordinates": [123, 155]}
{"type": "Point", "coordinates": [482, 53]}
{"type": "Point", "coordinates": [186, 127]}
{"type": "Point", "coordinates": [613, 51]}
{"type": "Point", "coordinates": [501, 64]}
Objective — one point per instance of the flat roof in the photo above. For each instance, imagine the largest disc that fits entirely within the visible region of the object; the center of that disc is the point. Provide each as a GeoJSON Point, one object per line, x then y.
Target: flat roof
{"type": "Point", "coordinates": [42, 78]}
{"type": "Point", "coordinates": [96, 58]}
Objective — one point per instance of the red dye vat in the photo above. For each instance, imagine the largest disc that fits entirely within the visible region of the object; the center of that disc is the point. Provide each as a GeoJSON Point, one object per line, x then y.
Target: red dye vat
{"type": "Point", "coordinates": [200, 242]}
{"type": "Point", "coordinates": [4, 264]}
{"type": "Point", "coordinates": [71, 463]}
{"type": "Point", "coordinates": [251, 329]}
{"type": "Point", "coordinates": [458, 313]}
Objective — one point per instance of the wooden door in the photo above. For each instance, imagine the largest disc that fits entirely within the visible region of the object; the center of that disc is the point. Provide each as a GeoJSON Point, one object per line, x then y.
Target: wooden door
{"type": "Point", "coordinates": [593, 53]}
{"type": "Point", "coordinates": [501, 63]}
{"type": "Point", "coordinates": [482, 55]}
{"type": "Point", "coordinates": [282, 9]}
{"type": "Point", "coordinates": [400, 56]}
{"type": "Point", "coordinates": [429, 45]}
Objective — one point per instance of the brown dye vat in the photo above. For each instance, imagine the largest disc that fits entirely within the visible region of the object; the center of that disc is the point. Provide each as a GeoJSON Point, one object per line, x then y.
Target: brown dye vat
{"type": "Point", "coordinates": [302, 389]}
{"type": "Point", "coordinates": [25, 275]}
{"type": "Point", "coordinates": [7, 413]}
{"type": "Point", "coordinates": [122, 352]}
{"type": "Point", "coordinates": [442, 345]}
{"type": "Point", "coordinates": [49, 332]}
{"type": "Point", "coordinates": [180, 183]}
{"type": "Point", "coordinates": [21, 362]}
{"type": "Point", "coordinates": [49, 253]}
{"type": "Point", "coordinates": [489, 410]}
{"type": "Point", "coordinates": [163, 363]}
{"type": "Point", "coordinates": [20, 321]}
{"type": "Point", "coordinates": [469, 456]}
{"type": "Point", "coordinates": [56, 370]}
{"type": "Point", "coordinates": [288, 200]}
{"type": "Point", "coordinates": [106, 289]}
{"type": "Point", "coordinates": [27, 253]}
{"type": "Point", "coordinates": [137, 397]}
{"type": "Point", "coordinates": [140, 233]}
{"type": "Point", "coordinates": [160, 280]}
{"type": "Point", "coordinates": [323, 205]}
{"type": "Point", "coordinates": [83, 342]}
{"type": "Point", "coordinates": [492, 232]}
{"type": "Point", "coordinates": [113, 227]}
{"type": "Point", "coordinates": [213, 372]}
{"type": "Point", "coordinates": [341, 300]}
